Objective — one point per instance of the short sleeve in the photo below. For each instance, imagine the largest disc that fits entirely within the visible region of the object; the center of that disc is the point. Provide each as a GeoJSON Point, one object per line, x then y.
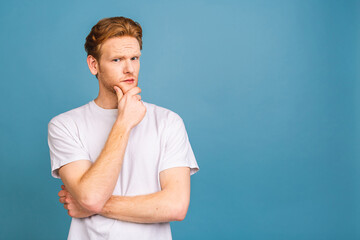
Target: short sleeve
{"type": "Point", "coordinates": [178, 151]}
{"type": "Point", "coordinates": [64, 146]}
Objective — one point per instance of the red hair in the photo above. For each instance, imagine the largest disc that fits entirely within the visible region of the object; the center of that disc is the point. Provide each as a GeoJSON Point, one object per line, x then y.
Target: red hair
{"type": "Point", "coordinates": [108, 28]}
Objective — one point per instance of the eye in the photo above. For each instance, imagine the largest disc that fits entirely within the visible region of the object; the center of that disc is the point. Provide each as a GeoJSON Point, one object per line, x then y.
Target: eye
{"type": "Point", "coordinates": [134, 58]}
{"type": "Point", "coordinates": [116, 60]}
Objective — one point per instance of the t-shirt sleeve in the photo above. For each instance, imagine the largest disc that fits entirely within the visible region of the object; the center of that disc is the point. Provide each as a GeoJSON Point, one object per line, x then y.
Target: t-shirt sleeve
{"type": "Point", "coordinates": [65, 147]}
{"type": "Point", "coordinates": [178, 151]}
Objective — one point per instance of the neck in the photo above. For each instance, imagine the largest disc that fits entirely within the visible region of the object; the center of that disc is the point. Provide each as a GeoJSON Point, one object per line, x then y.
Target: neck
{"type": "Point", "coordinates": [107, 100]}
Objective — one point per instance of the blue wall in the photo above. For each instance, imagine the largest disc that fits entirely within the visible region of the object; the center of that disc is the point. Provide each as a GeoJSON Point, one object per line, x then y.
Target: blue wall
{"type": "Point", "coordinates": [268, 90]}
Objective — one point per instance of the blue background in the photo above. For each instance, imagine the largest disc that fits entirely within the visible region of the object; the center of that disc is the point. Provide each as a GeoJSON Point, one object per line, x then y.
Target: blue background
{"type": "Point", "coordinates": [268, 91]}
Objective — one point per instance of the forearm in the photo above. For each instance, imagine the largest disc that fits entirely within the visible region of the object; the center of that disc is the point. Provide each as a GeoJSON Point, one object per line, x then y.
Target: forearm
{"type": "Point", "coordinates": [157, 207]}
{"type": "Point", "coordinates": [97, 184]}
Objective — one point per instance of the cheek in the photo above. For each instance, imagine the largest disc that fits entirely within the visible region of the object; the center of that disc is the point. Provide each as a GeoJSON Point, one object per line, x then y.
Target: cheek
{"type": "Point", "coordinates": [137, 67]}
{"type": "Point", "coordinates": [111, 73]}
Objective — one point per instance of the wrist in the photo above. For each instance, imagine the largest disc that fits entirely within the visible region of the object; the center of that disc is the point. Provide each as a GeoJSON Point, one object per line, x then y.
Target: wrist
{"type": "Point", "coordinates": [126, 128]}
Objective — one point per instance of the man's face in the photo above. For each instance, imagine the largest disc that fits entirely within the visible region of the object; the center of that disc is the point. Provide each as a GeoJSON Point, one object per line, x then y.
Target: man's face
{"type": "Point", "coordinates": [119, 62]}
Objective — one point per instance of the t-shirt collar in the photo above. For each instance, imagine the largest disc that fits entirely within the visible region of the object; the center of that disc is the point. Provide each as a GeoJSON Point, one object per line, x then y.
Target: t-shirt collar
{"type": "Point", "coordinates": [104, 111]}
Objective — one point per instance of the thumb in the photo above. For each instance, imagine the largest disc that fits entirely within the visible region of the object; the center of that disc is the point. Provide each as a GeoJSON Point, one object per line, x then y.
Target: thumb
{"type": "Point", "coordinates": [119, 92]}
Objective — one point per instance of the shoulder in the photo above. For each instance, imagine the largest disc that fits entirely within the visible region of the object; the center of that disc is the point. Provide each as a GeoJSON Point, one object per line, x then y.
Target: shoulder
{"type": "Point", "coordinates": [161, 113]}
{"type": "Point", "coordinates": [165, 120]}
{"type": "Point", "coordinates": [71, 117]}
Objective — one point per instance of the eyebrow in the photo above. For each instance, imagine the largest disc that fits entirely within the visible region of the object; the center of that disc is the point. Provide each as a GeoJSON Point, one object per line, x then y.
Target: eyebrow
{"type": "Point", "coordinates": [122, 56]}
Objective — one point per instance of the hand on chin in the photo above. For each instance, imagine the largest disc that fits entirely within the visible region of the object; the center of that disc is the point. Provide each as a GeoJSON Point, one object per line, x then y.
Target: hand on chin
{"type": "Point", "coordinates": [125, 89]}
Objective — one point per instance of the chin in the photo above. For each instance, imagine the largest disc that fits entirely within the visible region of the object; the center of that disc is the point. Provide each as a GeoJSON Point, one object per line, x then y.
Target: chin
{"type": "Point", "coordinates": [125, 89]}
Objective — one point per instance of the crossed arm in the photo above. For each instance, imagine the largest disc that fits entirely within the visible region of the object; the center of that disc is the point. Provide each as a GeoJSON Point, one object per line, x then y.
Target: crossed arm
{"type": "Point", "coordinates": [89, 186]}
{"type": "Point", "coordinates": [169, 204]}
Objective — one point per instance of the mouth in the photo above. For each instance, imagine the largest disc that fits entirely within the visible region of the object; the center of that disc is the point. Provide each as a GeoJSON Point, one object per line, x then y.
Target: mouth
{"type": "Point", "coordinates": [130, 80]}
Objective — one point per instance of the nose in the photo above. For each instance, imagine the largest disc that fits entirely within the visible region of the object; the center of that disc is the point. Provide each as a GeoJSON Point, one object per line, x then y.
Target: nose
{"type": "Point", "coordinates": [128, 68]}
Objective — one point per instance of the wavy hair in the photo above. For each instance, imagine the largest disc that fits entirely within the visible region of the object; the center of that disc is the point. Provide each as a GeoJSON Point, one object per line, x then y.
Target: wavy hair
{"type": "Point", "coordinates": [108, 28]}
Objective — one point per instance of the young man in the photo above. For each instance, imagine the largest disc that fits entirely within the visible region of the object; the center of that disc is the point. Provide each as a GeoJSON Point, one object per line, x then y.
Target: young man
{"type": "Point", "coordinates": [125, 163]}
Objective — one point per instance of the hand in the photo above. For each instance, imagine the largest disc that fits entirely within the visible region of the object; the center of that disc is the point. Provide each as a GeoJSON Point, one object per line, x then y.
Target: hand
{"type": "Point", "coordinates": [131, 109]}
{"type": "Point", "coordinates": [75, 210]}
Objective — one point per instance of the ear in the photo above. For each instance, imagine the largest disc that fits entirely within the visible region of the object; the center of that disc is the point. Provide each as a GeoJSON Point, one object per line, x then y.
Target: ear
{"type": "Point", "coordinates": [93, 64]}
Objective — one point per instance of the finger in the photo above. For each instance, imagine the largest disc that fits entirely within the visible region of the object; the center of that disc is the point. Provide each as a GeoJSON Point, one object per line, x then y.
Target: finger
{"type": "Point", "coordinates": [67, 200]}
{"type": "Point", "coordinates": [138, 97]}
{"type": "Point", "coordinates": [69, 206]}
{"type": "Point", "coordinates": [62, 193]}
{"type": "Point", "coordinates": [65, 205]}
{"type": "Point", "coordinates": [134, 90]}
{"type": "Point", "coordinates": [119, 92]}
{"type": "Point", "coordinates": [62, 187]}
{"type": "Point", "coordinates": [70, 197]}
{"type": "Point", "coordinates": [62, 200]}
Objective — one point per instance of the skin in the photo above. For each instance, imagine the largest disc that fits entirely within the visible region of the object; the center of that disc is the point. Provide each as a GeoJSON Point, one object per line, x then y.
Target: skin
{"type": "Point", "coordinates": [88, 186]}
{"type": "Point", "coordinates": [119, 60]}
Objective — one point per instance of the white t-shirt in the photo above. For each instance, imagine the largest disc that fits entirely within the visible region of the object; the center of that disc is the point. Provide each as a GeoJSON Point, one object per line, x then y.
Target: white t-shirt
{"type": "Point", "coordinates": [158, 142]}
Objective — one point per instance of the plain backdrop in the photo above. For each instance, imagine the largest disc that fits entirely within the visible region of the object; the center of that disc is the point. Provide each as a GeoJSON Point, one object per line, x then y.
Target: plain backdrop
{"type": "Point", "coordinates": [268, 91]}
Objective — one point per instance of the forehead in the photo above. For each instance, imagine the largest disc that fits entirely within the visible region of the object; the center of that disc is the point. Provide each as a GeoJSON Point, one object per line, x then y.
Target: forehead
{"type": "Point", "coordinates": [120, 46]}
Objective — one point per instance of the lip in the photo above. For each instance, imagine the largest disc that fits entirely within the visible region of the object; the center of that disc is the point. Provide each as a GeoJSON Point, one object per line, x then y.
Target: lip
{"type": "Point", "coordinates": [129, 80]}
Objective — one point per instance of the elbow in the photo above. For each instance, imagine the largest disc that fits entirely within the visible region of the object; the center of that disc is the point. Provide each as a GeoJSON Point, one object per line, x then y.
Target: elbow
{"type": "Point", "coordinates": [92, 204]}
{"type": "Point", "coordinates": [180, 211]}
{"type": "Point", "coordinates": [94, 208]}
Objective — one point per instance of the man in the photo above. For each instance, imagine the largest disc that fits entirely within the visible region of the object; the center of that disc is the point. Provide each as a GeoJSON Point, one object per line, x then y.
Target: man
{"type": "Point", "coordinates": [125, 163]}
